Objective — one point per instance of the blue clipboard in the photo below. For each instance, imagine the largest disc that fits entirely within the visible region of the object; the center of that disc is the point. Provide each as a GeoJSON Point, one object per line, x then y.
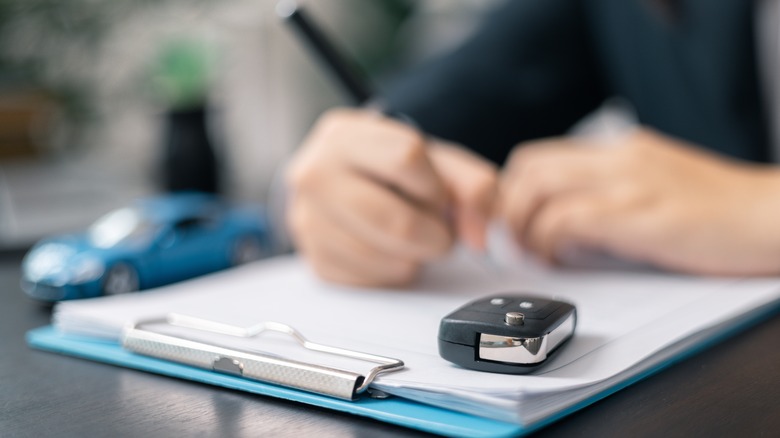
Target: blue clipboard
{"type": "Point", "coordinates": [393, 410]}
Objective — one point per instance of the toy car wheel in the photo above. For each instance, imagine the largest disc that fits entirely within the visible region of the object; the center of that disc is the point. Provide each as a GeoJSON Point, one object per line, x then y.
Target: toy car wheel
{"type": "Point", "coordinates": [121, 278]}
{"type": "Point", "coordinates": [246, 250]}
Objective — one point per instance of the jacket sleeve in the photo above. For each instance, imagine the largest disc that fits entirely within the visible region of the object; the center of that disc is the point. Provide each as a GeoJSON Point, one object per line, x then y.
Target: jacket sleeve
{"type": "Point", "coordinates": [528, 72]}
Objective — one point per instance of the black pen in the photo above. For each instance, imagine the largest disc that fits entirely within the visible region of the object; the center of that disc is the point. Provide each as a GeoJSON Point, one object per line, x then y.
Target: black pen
{"type": "Point", "coordinates": [344, 73]}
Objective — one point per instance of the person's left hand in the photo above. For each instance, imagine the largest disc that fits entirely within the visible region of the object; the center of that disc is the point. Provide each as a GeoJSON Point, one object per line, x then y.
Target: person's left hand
{"type": "Point", "coordinates": [649, 198]}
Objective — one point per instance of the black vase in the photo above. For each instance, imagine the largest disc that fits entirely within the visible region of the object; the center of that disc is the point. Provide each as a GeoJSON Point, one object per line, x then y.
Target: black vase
{"type": "Point", "coordinates": [189, 160]}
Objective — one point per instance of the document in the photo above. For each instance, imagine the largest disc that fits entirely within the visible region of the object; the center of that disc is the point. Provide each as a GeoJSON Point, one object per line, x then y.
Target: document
{"type": "Point", "coordinates": [629, 322]}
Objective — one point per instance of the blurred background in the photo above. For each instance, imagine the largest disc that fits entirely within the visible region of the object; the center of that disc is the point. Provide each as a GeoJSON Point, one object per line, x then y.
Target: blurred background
{"type": "Point", "coordinates": [95, 93]}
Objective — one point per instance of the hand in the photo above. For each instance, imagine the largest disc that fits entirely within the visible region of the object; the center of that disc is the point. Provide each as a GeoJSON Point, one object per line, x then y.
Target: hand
{"type": "Point", "coordinates": [651, 199]}
{"type": "Point", "coordinates": [371, 201]}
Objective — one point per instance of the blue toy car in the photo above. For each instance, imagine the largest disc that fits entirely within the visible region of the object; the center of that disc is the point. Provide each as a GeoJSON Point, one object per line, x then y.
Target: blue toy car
{"type": "Point", "coordinates": [154, 242]}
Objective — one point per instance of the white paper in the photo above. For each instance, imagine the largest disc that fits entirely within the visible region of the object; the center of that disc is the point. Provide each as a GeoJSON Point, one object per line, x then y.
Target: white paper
{"type": "Point", "coordinates": [628, 321]}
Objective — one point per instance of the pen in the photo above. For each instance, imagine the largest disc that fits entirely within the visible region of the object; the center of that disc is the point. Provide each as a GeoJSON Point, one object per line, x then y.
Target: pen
{"type": "Point", "coordinates": [355, 86]}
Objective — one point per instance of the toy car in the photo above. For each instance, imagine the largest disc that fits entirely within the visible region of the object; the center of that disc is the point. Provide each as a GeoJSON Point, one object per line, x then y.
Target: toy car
{"type": "Point", "coordinates": [155, 241]}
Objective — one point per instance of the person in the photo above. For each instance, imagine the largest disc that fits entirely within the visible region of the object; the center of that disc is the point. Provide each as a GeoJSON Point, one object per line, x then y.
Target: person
{"type": "Point", "coordinates": [690, 189]}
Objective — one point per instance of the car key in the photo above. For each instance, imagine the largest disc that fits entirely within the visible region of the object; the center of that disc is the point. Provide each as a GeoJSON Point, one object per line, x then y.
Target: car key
{"type": "Point", "coordinates": [506, 333]}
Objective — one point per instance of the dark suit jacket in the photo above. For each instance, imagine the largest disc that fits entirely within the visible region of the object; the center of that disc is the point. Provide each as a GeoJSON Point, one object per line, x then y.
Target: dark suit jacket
{"type": "Point", "coordinates": [538, 66]}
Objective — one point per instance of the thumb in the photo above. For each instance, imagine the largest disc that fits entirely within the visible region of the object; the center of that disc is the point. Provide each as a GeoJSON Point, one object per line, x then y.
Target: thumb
{"type": "Point", "coordinates": [472, 182]}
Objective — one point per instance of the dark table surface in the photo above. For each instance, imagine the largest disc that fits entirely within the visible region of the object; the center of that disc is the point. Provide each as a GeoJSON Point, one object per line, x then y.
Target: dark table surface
{"type": "Point", "coordinates": [732, 389]}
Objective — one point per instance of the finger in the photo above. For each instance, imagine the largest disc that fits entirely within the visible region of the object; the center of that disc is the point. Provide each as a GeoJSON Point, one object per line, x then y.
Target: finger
{"type": "Point", "coordinates": [472, 182]}
{"type": "Point", "coordinates": [540, 173]}
{"type": "Point", "coordinates": [472, 228]}
{"type": "Point", "coordinates": [580, 220]}
{"type": "Point", "coordinates": [382, 218]}
{"type": "Point", "coordinates": [388, 151]}
{"type": "Point", "coordinates": [338, 256]}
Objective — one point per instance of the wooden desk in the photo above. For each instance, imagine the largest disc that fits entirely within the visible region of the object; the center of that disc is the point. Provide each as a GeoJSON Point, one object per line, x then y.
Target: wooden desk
{"type": "Point", "coordinates": [732, 389]}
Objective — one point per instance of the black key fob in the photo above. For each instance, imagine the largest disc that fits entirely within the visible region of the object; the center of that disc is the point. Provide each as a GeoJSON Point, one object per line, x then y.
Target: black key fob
{"type": "Point", "coordinates": [507, 333]}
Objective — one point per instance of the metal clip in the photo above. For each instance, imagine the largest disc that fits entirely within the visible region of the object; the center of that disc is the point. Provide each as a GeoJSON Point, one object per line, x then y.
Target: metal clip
{"type": "Point", "coordinates": [343, 384]}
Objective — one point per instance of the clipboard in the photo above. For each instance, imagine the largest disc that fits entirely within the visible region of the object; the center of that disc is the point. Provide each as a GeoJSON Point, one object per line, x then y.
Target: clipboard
{"type": "Point", "coordinates": [760, 299]}
{"type": "Point", "coordinates": [393, 410]}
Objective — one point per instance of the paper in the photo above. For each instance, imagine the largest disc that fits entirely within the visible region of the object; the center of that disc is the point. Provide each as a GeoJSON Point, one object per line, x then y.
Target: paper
{"type": "Point", "coordinates": [628, 322]}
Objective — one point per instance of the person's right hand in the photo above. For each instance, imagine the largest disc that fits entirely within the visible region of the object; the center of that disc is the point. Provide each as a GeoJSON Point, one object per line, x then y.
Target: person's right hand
{"type": "Point", "coordinates": [371, 201]}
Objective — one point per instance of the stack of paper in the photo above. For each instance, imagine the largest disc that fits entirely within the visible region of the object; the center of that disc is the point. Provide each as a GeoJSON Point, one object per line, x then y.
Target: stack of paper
{"type": "Point", "coordinates": [629, 322]}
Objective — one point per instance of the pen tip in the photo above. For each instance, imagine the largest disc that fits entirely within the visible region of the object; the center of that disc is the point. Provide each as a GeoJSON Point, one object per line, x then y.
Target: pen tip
{"type": "Point", "coordinates": [286, 8]}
